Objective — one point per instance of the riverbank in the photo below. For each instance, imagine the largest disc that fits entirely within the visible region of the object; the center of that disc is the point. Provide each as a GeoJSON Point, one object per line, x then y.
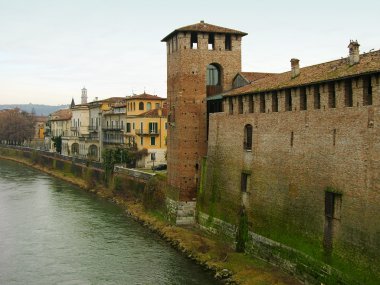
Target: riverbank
{"type": "Point", "coordinates": [213, 254]}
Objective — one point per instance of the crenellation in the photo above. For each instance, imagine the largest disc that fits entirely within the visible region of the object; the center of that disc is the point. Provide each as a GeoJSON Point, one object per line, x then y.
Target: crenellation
{"type": "Point", "coordinates": [298, 149]}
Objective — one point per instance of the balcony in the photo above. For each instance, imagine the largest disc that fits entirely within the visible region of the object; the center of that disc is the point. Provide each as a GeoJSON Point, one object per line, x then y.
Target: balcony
{"type": "Point", "coordinates": [141, 132]}
{"type": "Point", "coordinates": [93, 128]}
{"type": "Point", "coordinates": [74, 129]}
{"type": "Point", "coordinates": [112, 128]}
{"type": "Point", "coordinates": [113, 141]}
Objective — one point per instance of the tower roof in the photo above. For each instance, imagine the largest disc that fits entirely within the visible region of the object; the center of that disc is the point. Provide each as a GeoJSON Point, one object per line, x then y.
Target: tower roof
{"type": "Point", "coordinates": [205, 28]}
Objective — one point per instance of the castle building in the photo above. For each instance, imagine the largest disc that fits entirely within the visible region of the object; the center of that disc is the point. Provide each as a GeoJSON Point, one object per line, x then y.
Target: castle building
{"type": "Point", "coordinates": [202, 60]}
{"type": "Point", "coordinates": [297, 152]}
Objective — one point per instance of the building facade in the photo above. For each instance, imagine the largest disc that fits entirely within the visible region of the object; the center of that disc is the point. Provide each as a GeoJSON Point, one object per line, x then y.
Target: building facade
{"type": "Point", "coordinates": [146, 127]}
{"type": "Point", "coordinates": [296, 152]}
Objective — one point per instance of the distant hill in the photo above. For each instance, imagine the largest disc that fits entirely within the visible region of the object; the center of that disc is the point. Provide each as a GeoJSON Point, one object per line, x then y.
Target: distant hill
{"type": "Point", "coordinates": [40, 110]}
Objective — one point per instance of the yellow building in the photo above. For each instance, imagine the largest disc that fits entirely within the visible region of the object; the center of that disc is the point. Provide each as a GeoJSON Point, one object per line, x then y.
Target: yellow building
{"type": "Point", "coordinates": [146, 127]}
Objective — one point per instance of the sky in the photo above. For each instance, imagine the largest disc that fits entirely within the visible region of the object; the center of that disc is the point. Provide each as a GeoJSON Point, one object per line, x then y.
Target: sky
{"type": "Point", "coordinates": [51, 49]}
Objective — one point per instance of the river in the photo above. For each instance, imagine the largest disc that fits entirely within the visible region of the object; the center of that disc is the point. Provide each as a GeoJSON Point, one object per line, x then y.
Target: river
{"type": "Point", "coordinates": [52, 232]}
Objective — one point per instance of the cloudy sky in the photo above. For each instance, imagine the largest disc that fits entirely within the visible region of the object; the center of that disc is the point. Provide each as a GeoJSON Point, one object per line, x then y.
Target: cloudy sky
{"type": "Point", "coordinates": [50, 49]}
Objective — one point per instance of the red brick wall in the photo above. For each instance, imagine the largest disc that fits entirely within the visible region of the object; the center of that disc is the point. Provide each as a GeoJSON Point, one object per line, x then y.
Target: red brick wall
{"type": "Point", "coordinates": [287, 183]}
{"type": "Point", "coordinates": [186, 82]}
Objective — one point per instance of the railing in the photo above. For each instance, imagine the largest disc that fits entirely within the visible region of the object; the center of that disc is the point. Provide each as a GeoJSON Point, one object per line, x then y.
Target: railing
{"type": "Point", "coordinates": [74, 129]}
{"type": "Point", "coordinates": [147, 132]}
{"type": "Point", "coordinates": [112, 128]}
{"type": "Point", "coordinates": [113, 141]}
{"type": "Point", "coordinates": [93, 128]}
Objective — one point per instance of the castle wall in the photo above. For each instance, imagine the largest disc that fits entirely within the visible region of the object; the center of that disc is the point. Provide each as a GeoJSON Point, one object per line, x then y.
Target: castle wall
{"type": "Point", "coordinates": [296, 157]}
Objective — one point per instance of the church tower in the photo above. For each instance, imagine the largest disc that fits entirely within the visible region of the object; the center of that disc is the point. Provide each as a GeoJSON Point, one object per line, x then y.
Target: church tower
{"type": "Point", "coordinates": [202, 60]}
{"type": "Point", "coordinates": [84, 96]}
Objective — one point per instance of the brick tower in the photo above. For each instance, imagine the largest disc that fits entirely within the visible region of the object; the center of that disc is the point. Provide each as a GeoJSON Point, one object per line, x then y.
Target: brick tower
{"type": "Point", "coordinates": [202, 60]}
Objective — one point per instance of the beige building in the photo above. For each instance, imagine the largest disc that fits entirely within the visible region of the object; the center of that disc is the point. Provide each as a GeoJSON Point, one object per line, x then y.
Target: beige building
{"type": "Point", "coordinates": [114, 124]}
{"type": "Point", "coordinates": [77, 144]}
{"type": "Point", "coordinates": [59, 124]}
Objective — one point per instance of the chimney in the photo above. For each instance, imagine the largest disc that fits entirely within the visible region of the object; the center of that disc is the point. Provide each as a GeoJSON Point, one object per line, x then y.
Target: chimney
{"type": "Point", "coordinates": [295, 64]}
{"type": "Point", "coordinates": [353, 48]}
{"type": "Point", "coordinates": [84, 96]}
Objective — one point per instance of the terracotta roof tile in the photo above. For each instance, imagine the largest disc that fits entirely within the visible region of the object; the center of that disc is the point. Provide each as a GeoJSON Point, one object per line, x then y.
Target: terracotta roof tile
{"type": "Point", "coordinates": [61, 115]}
{"type": "Point", "coordinates": [253, 76]}
{"type": "Point", "coordinates": [206, 28]}
{"type": "Point", "coordinates": [328, 71]}
{"type": "Point", "coordinates": [154, 113]}
{"type": "Point", "coordinates": [40, 118]}
{"type": "Point", "coordinates": [145, 96]}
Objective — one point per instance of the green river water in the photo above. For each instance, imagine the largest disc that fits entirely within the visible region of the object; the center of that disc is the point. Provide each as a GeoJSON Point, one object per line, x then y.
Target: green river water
{"type": "Point", "coordinates": [52, 232]}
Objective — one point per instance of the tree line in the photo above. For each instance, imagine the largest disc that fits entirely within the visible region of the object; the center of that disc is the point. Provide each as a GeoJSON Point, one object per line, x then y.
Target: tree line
{"type": "Point", "coordinates": [16, 126]}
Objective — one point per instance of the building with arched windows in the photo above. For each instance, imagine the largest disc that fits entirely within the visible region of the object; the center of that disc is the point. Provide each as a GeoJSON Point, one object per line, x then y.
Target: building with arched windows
{"type": "Point", "coordinates": [297, 152]}
{"type": "Point", "coordinates": [202, 60]}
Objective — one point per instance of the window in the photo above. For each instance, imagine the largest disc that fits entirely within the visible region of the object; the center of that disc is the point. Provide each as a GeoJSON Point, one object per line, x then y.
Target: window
{"type": "Point", "coordinates": [152, 140]}
{"type": "Point", "coordinates": [141, 106]}
{"type": "Point", "coordinates": [194, 41]}
{"type": "Point", "coordinates": [262, 103]}
{"type": "Point", "coordinates": [291, 139]}
{"type": "Point", "coordinates": [148, 106]}
{"type": "Point", "coordinates": [250, 104]}
{"type": "Point", "coordinates": [142, 140]}
{"type": "Point", "coordinates": [211, 41]}
{"type": "Point", "coordinates": [128, 127]}
{"type": "Point", "coordinates": [332, 95]}
{"type": "Point", "coordinates": [317, 97]}
{"type": "Point", "coordinates": [367, 91]}
{"type": "Point", "coordinates": [134, 106]}
{"type": "Point", "coordinates": [248, 137]}
{"type": "Point", "coordinates": [240, 105]}
{"type": "Point", "coordinates": [303, 99]}
{"type": "Point", "coordinates": [231, 105]}
{"type": "Point", "coordinates": [244, 182]}
{"type": "Point", "coordinates": [157, 105]}
{"type": "Point", "coordinates": [274, 101]}
{"type": "Point", "coordinates": [212, 75]}
{"type": "Point", "coordinates": [153, 128]}
{"type": "Point", "coordinates": [228, 45]}
{"type": "Point", "coordinates": [348, 98]}
{"type": "Point", "coordinates": [333, 204]}
{"type": "Point", "coordinates": [133, 125]}
{"type": "Point", "coordinates": [288, 100]}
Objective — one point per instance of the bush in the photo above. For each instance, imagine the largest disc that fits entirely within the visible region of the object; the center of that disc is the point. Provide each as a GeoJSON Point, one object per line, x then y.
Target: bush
{"type": "Point", "coordinates": [117, 184]}
{"type": "Point", "coordinates": [153, 195]}
{"type": "Point", "coordinates": [90, 179]}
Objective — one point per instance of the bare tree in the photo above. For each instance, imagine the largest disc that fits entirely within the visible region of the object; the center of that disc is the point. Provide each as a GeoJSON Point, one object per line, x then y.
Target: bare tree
{"type": "Point", "coordinates": [16, 126]}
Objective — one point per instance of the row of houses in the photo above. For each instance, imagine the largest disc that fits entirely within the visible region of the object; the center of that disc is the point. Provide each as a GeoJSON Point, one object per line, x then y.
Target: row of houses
{"type": "Point", "coordinates": [86, 129]}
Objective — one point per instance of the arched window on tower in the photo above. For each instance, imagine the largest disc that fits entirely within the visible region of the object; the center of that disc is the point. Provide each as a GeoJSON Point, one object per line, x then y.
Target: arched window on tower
{"type": "Point", "coordinates": [248, 137]}
{"type": "Point", "coordinates": [213, 79]}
